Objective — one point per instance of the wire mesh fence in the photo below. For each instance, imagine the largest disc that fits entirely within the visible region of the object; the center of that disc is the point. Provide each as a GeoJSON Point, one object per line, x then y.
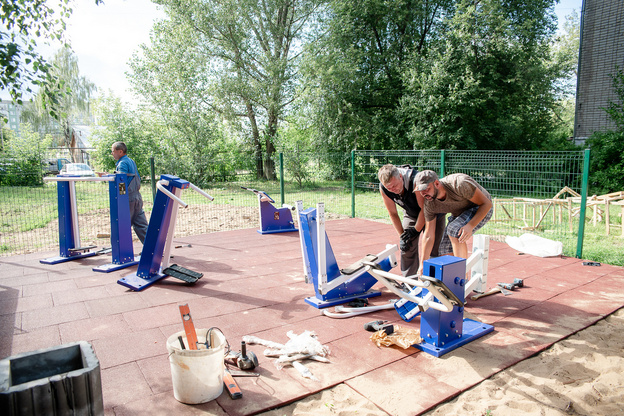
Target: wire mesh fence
{"type": "Point", "coordinates": [536, 192]}
{"type": "Point", "coordinates": [532, 191]}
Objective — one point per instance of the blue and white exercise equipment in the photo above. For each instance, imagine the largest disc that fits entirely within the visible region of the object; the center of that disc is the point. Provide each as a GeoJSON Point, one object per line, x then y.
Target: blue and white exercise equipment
{"type": "Point", "coordinates": [69, 231]}
{"type": "Point", "coordinates": [154, 261]}
{"type": "Point", "coordinates": [273, 220]}
{"type": "Point", "coordinates": [440, 304]}
{"type": "Point", "coordinates": [332, 285]}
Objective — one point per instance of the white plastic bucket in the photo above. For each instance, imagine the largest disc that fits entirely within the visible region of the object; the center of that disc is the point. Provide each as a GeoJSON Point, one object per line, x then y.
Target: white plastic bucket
{"type": "Point", "coordinates": [197, 374]}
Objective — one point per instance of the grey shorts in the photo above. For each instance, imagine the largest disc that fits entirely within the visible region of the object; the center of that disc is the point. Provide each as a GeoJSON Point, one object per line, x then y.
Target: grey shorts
{"type": "Point", "coordinates": [455, 224]}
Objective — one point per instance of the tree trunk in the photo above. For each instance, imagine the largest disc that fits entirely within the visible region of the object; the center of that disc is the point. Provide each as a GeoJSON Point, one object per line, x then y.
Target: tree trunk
{"type": "Point", "coordinates": [257, 145]}
{"type": "Point", "coordinates": [271, 134]}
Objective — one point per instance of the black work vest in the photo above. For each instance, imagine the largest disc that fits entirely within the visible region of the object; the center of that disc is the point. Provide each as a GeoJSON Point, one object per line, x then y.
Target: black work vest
{"type": "Point", "coordinates": [407, 201]}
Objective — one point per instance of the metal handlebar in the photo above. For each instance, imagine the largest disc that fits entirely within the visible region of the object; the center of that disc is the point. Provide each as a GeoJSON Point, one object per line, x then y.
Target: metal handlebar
{"type": "Point", "coordinates": [161, 187]}
{"type": "Point", "coordinates": [79, 179]}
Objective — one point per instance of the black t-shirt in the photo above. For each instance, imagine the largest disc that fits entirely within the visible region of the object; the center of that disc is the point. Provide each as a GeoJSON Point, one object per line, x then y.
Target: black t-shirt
{"type": "Point", "coordinates": [407, 200]}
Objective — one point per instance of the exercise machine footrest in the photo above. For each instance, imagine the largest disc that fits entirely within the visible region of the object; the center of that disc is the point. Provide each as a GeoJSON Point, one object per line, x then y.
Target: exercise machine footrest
{"type": "Point", "coordinates": [181, 273]}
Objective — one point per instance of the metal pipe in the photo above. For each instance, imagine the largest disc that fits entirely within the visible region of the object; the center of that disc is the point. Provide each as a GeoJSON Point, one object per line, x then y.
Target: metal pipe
{"type": "Point", "coordinates": [195, 188]}
{"type": "Point", "coordinates": [79, 179]}
{"type": "Point", "coordinates": [162, 189]}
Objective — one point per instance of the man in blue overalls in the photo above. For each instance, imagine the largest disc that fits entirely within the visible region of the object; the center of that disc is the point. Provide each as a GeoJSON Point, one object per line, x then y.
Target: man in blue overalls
{"type": "Point", "coordinates": [126, 165]}
{"type": "Point", "coordinates": [396, 185]}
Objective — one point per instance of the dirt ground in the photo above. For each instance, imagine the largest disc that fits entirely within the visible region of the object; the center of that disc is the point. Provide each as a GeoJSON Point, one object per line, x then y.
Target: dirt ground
{"type": "Point", "coordinates": [193, 220]}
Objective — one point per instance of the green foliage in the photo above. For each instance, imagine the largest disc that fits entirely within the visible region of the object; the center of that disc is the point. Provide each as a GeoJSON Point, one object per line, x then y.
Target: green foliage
{"type": "Point", "coordinates": [24, 23]}
{"type": "Point", "coordinates": [488, 85]}
{"type": "Point", "coordinates": [607, 153]}
{"type": "Point", "coordinates": [71, 103]}
{"type": "Point", "coordinates": [24, 167]}
{"type": "Point", "coordinates": [353, 75]}
{"type": "Point", "coordinates": [240, 59]}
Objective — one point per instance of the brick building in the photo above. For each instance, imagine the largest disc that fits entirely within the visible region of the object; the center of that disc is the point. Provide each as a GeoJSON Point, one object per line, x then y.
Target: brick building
{"type": "Point", "coordinates": [601, 52]}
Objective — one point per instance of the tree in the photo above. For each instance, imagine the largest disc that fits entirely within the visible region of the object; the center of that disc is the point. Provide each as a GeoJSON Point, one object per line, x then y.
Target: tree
{"type": "Point", "coordinates": [354, 81]}
{"type": "Point", "coordinates": [246, 52]}
{"type": "Point", "coordinates": [24, 23]}
{"type": "Point", "coordinates": [72, 104]}
{"type": "Point", "coordinates": [489, 85]}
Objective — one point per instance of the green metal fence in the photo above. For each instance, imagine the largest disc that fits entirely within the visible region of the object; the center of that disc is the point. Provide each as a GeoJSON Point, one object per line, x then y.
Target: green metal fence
{"type": "Point", "coordinates": [533, 192]}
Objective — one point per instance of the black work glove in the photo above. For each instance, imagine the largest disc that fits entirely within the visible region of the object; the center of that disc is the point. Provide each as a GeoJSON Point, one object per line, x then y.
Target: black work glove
{"type": "Point", "coordinates": [407, 238]}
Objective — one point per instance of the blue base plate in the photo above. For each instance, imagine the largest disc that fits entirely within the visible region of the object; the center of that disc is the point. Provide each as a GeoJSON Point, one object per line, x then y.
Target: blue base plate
{"type": "Point", "coordinates": [319, 304]}
{"type": "Point", "coordinates": [111, 267]}
{"type": "Point", "coordinates": [61, 259]}
{"type": "Point", "coordinates": [137, 283]}
{"type": "Point", "coordinates": [471, 331]}
{"type": "Point", "coordinates": [285, 230]}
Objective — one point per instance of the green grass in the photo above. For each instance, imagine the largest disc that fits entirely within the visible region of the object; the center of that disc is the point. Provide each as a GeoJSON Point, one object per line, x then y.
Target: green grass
{"type": "Point", "coordinates": [25, 210]}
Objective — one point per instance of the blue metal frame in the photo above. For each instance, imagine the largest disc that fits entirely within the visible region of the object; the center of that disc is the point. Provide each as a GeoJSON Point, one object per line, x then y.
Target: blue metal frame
{"type": "Point", "coordinates": [121, 227]}
{"type": "Point", "coordinates": [149, 270]}
{"type": "Point", "coordinates": [67, 237]}
{"type": "Point", "coordinates": [356, 288]}
{"type": "Point", "coordinates": [443, 332]}
{"type": "Point", "coordinates": [274, 220]}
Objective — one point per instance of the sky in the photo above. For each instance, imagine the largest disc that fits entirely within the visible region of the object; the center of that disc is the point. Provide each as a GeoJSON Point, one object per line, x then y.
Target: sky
{"type": "Point", "coordinates": [104, 37]}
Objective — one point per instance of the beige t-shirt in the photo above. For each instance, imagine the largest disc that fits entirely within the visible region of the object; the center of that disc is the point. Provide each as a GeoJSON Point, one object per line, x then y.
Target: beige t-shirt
{"type": "Point", "coordinates": [459, 189]}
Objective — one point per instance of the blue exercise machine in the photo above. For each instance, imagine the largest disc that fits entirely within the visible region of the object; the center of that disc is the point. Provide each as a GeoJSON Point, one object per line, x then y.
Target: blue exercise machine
{"type": "Point", "coordinates": [441, 303]}
{"type": "Point", "coordinates": [69, 232]}
{"type": "Point", "coordinates": [332, 285]}
{"type": "Point", "coordinates": [273, 220]}
{"type": "Point", "coordinates": [154, 261]}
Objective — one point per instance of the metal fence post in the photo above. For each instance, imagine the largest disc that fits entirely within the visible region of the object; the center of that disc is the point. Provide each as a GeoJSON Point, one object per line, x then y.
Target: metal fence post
{"type": "Point", "coordinates": [281, 160]}
{"type": "Point", "coordinates": [581, 229]}
{"type": "Point", "coordinates": [442, 164]}
{"type": "Point", "coordinates": [352, 183]}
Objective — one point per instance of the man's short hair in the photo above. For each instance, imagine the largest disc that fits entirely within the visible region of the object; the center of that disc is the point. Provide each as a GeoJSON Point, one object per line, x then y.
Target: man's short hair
{"type": "Point", "coordinates": [423, 179]}
{"type": "Point", "coordinates": [120, 146]}
{"type": "Point", "coordinates": [387, 172]}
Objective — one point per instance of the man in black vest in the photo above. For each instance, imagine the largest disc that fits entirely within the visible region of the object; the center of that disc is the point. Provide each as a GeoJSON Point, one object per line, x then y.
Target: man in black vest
{"type": "Point", "coordinates": [397, 188]}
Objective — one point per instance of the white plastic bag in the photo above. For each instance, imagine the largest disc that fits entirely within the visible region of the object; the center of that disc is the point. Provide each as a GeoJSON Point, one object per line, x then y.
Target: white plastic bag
{"type": "Point", "coordinates": [535, 245]}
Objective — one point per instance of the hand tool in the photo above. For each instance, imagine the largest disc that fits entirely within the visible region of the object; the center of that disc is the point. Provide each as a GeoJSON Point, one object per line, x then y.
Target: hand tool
{"type": "Point", "coordinates": [242, 360]}
{"type": "Point", "coordinates": [230, 385]}
{"type": "Point", "coordinates": [488, 293]}
{"type": "Point", "coordinates": [507, 286]}
{"type": "Point", "coordinates": [189, 328]}
{"type": "Point", "coordinates": [375, 326]}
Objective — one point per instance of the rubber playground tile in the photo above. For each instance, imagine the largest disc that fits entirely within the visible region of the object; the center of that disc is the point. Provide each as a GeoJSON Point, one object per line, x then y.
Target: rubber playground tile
{"type": "Point", "coordinates": [11, 305]}
{"type": "Point", "coordinates": [397, 386]}
{"type": "Point", "coordinates": [157, 373]}
{"type": "Point", "coordinates": [271, 389]}
{"type": "Point", "coordinates": [113, 305]}
{"type": "Point", "coordinates": [493, 308]}
{"type": "Point", "coordinates": [460, 368]}
{"type": "Point", "coordinates": [115, 392]}
{"type": "Point", "coordinates": [79, 295]}
{"type": "Point", "coordinates": [165, 404]}
{"type": "Point", "coordinates": [592, 298]}
{"type": "Point", "coordinates": [19, 281]}
{"type": "Point", "coordinates": [547, 323]}
{"type": "Point", "coordinates": [40, 318]}
{"type": "Point", "coordinates": [123, 349]}
{"type": "Point", "coordinates": [170, 290]}
{"type": "Point", "coordinates": [32, 340]}
{"type": "Point", "coordinates": [48, 287]}
{"type": "Point", "coordinates": [93, 328]}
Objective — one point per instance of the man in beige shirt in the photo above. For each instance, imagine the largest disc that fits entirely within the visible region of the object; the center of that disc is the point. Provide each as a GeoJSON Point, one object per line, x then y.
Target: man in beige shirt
{"type": "Point", "coordinates": [469, 204]}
